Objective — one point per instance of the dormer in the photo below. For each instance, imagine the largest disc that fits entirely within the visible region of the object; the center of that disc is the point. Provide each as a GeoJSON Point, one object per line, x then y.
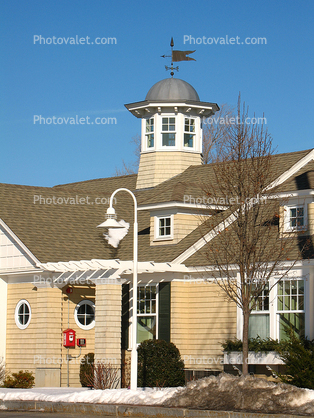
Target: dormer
{"type": "Point", "coordinates": [171, 134]}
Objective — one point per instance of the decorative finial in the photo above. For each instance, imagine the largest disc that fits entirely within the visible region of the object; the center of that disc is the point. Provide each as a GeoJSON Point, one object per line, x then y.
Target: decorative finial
{"type": "Point", "coordinates": [177, 56]}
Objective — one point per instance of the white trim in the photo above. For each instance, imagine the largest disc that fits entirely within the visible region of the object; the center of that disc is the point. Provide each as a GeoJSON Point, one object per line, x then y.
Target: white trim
{"type": "Point", "coordinates": [174, 204]}
{"type": "Point", "coordinates": [293, 194]}
{"type": "Point", "coordinates": [210, 235]}
{"type": "Point", "coordinates": [16, 314]}
{"type": "Point", "coordinates": [292, 170]}
{"type": "Point", "coordinates": [18, 241]}
{"type": "Point", "coordinates": [157, 219]}
{"type": "Point", "coordinates": [170, 104]}
{"type": "Point", "coordinates": [78, 323]}
{"type": "Point", "coordinates": [194, 147]}
{"type": "Point", "coordinates": [205, 239]}
{"type": "Point", "coordinates": [156, 314]}
{"type": "Point", "coordinates": [286, 223]}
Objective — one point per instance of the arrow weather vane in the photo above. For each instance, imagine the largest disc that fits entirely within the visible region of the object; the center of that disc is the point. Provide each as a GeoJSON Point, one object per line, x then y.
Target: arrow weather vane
{"type": "Point", "coordinates": [177, 56]}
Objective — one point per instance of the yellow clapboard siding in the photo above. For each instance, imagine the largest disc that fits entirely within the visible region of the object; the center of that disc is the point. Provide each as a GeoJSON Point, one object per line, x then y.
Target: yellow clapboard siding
{"type": "Point", "coordinates": [201, 319]}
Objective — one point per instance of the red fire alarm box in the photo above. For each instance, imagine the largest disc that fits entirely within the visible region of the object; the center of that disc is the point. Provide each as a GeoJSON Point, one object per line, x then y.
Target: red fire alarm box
{"type": "Point", "coordinates": [81, 342]}
{"type": "Point", "coordinates": [69, 338]}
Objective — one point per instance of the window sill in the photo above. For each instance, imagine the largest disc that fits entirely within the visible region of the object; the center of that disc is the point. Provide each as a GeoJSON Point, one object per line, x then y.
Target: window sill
{"type": "Point", "coordinates": [158, 239]}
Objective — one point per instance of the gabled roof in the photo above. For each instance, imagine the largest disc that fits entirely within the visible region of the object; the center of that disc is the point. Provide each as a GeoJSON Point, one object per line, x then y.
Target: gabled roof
{"type": "Point", "coordinates": [302, 180]}
{"type": "Point", "coordinates": [65, 232]}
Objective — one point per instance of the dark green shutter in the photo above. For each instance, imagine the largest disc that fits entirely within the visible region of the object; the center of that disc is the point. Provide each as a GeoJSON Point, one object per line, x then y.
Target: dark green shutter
{"type": "Point", "coordinates": [125, 317]}
{"type": "Point", "coordinates": [164, 311]}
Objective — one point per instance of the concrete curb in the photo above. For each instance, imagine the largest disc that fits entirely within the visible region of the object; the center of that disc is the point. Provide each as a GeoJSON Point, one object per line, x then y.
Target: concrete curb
{"type": "Point", "coordinates": [130, 410]}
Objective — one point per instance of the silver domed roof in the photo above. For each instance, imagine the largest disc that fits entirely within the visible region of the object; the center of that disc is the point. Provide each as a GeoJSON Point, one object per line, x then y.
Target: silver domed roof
{"type": "Point", "coordinates": [172, 89]}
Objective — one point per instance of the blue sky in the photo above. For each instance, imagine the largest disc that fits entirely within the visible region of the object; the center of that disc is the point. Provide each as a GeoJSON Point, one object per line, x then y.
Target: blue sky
{"type": "Point", "coordinates": [65, 80]}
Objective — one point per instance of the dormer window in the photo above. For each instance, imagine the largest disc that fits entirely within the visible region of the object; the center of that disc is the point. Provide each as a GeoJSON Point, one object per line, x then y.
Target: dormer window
{"type": "Point", "coordinates": [163, 227]}
{"type": "Point", "coordinates": [150, 133]}
{"type": "Point", "coordinates": [168, 132]}
{"type": "Point", "coordinates": [189, 132]}
{"type": "Point", "coordinates": [295, 218]}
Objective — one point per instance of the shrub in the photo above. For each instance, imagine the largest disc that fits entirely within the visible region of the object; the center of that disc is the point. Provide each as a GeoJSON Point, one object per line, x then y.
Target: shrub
{"type": "Point", "coordinates": [22, 380]}
{"type": "Point", "coordinates": [104, 376]}
{"type": "Point", "coordinates": [298, 355]}
{"type": "Point", "coordinates": [159, 365]}
{"type": "Point", "coordinates": [255, 344]}
{"type": "Point", "coordinates": [86, 369]}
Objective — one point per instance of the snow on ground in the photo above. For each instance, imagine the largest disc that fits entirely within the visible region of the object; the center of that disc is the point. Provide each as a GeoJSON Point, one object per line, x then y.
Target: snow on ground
{"type": "Point", "coordinates": [145, 396]}
{"type": "Point", "coordinates": [230, 393]}
{"type": "Point", "coordinates": [224, 392]}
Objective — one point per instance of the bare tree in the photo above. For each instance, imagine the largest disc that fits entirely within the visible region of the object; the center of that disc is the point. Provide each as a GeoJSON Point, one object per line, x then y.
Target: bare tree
{"type": "Point", "coordinates": [215, 130]}
{"type": "Point", "coordinates": [131, 168]}
{"type": "Point", "coordinates": [248, 249]}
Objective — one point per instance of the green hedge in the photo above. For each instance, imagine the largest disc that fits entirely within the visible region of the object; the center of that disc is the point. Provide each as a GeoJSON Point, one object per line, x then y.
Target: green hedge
{"type": "Point", "coordinates": [255, 344]}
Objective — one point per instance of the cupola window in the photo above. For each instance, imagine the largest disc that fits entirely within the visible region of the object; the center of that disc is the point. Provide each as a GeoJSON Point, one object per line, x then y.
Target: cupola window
{"type": "Point", "coordinates": [150, 133]}
{"type": "Point", "coordinates": [189, 132]}
{"type": "Point", "coordinates": [168, 132]}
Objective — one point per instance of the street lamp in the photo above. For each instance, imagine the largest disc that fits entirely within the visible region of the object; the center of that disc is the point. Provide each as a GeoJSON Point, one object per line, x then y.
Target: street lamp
{"type": "Point", "coordinates": [112, 223]}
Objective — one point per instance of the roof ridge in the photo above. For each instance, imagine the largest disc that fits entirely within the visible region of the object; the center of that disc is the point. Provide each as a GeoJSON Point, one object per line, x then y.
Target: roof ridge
{"type": "Point", "coordinates": [92, 180]}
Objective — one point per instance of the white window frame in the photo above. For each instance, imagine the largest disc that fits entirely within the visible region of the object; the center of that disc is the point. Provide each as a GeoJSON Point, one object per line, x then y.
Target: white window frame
{"type": "Point", "coordinates": [156, 314]}
{"type": "Point", "coordinates": [170, 147]}
{"type": "Point", "coordinates": [287, 226]}
{"type": "Point", "coordinates": [148, 133]}
{"type": "Point", "coordinates": [78, 323]}
{"type": "Point", "coordinates": [262, 311]}
{"type": "Point", "coordinates": [159, 237]}
{"type": "Point", "coordinates": [290, 311]}
{"type": "Point", "coordinates": [273, 311]}
{"type": "Point", "coordinates": [190, 133]}
{"type": "Point", "coordinates": [16, 314]}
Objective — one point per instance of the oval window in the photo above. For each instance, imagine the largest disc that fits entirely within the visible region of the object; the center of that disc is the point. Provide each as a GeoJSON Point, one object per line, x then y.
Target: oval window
{"type": "Point", "coordinates": [23, 314]}
{"type": "Point", "coordinates": [85, 314]}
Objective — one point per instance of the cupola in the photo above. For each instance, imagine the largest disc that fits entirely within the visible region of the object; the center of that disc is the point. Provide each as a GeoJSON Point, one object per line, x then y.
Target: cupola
{"type": "Point", "coordinates": [171, 135]}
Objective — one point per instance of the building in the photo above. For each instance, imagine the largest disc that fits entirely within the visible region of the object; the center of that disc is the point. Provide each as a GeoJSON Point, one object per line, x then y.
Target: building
{"type": "Point", "coordinates": [59, 272]}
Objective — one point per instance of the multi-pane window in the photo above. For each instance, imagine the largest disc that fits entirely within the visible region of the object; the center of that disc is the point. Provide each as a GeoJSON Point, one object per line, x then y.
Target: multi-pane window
{"type": "Point", "coordinates": [164, 229]}
{"type": "Point", "coordinates": [296, 217]}
{"type": "Point", "coordinates": [290, 307]}
{"type": "Point", "coordinates": [146, 312]}
{"type": "Point", "coordinates": [189, 132]}
{"type": "Point", "coordinates": [150, 133]}
{"type": "Point", "coordinates": [259, 318]}
{"type": "Point", "coordinates": [22, 314]}
{"type": "Point", "coordinates": [168, 132]}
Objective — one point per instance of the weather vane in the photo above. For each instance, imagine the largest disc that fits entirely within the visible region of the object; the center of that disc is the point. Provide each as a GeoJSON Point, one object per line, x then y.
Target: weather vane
{"type": "Point", "coordinates": [177, 56]}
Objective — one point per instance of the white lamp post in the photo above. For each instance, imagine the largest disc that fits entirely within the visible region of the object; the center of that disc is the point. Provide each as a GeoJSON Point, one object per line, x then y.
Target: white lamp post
{"type": "Point", "coordinates": [112, 223]}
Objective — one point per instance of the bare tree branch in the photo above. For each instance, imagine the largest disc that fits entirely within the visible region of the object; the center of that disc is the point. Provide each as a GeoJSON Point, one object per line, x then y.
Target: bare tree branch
{"type": "Point", "coordinates": [249, 251]}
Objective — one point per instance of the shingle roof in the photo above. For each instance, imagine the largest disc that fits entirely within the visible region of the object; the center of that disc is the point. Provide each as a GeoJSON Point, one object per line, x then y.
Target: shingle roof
{"type": "Point", "coordinates": [64, 232]}
{"type": "Point", "coordinates": [192, 182]}
{"type": "Point", "coordinates": [302, 180]}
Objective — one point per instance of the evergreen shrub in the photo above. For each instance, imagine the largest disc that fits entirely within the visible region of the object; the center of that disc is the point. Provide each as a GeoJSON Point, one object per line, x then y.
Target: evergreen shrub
{"type": "Point", "coordinates": [160, 365]}
{"type": "Point", "coordinates": [298, 355]}
{"type": "Point", "coordinates": [87, 369]}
